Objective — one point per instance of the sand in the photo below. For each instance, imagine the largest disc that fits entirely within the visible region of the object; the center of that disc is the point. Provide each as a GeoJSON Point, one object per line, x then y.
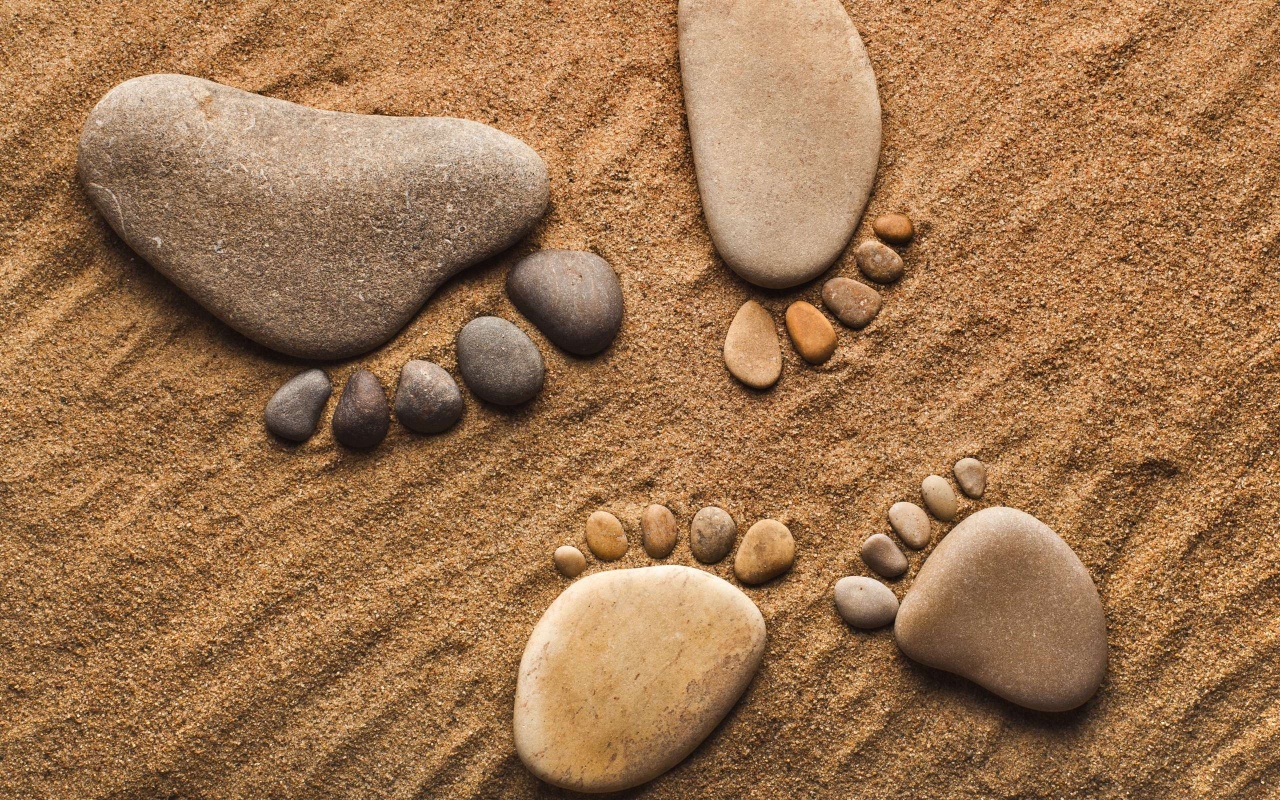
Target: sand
{"type": "Point", "coordinates": [191, 610]}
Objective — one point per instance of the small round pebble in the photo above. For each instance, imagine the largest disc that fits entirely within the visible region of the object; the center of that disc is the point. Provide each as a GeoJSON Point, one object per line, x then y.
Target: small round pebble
{"type": "Point", "coordinates": [854, 304]}
{"type": "Point", "coordinates": [909, 521]}
{"type": "Point", "coordinates": [294, 410]}
{"type": "Point", "coordinates": [878, 261]}
{"type": "Point", "coordinates": [362, 417]}
{"type": "Point", "coordinates": [751, 350]}
{"type": "Point", "coordinates": [883, 556]}
{"type": "Point", "coordinates": [865, 602]}
{"type": "Point", "coordinates": [971, 475]}
{"type": "Point", "coordinates": [499, 362]}
{"type": "Point", "coordinates": [939, 498]}
{"type": "Point", "coordinates": [894, 228]}
{"type": "Point", "coordinates": [572, 296]}
{"type": "Point", "coordinates": [569, 560]}
{"type": "Point", "coordinates": [605, 537]}
{"type": "Point", "coordinates": [767, 551]}
{"type": "Point", "coordinates": [712, 534]}
{"type": "Point", "coordinates": [658, 531]}
{"type": "Point", "coordinates": [428, 399]}
{"type": "Point", "coordinates": [813, 336]}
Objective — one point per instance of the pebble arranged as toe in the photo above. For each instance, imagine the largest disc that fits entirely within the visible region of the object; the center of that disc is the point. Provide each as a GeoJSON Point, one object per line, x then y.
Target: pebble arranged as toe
{"type": "Point", "coordinates": [499, 362]}
{"type": "Point", "coordinates": [712, 534]}
{"type": "Point", "coordinates": [293, 412]}
{"type": "Point", "coordinates": [605, 537]}
{"type": "Point", "coordinates": [658, 531]}
{"type": "Point", "coordinates": [854, 304]}
{"type": "Point", "coordinates": [428, 400]}
{"type": "Point", "coordinates": [939, 498]}
{"type": "Point", "coordinates": [971, 475]}
{"type": "Point", "coordinates": [883, 556]}
{"type": "Point", "coordinates": [878, 261]}
{"type": "Point", "coordinates": [865, 602]}
{"type": "Point", "coordinates": [573, 297]}
{"type": "Point", "coordinates": [362, 417]}
{"type": "Point", "coordinates": [811, 333]}
{"type": "Point", "coordinates": [909, 521]}
{"type": "Point", "coordinates": [767, 551]}
{"type": "Point", "coordinates": [894, 228]}
{"type": "Point", "coordinates": [569, 560]}
{"type": "Point", "coordinates": [751, 350]}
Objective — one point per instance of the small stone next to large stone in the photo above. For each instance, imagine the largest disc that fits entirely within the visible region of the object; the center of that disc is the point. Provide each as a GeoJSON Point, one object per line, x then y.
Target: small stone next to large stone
{"type": "Point", "coordinates": [751, 350]}
{"type": "Point", "coordinates": [427, 399]}
{"type": "Point", "coordinates": [894, 228]}
{"type": "Point", "coordinates": [854, 304]}
{"type": "Point", "coordinates": [971, 475]}
{"type": "Point", "coordinates": [878, 261]}
{"type": "Point", "coordinates": [939, 498]}
{"type": "Point", "coordinates": [865, 602]}
{"type": "Point", "coordinates": [573, 297]}
{"type": "Point", "coordinates": [767, 551]}
{"type": "Point", "coordinates": [499, 362]}
{"type": "Point", "coordinates": [605, 537]}
{"type": "Point", "coordinates": [811, 333]}
{"type": "Point", "coordinates": [294, 410]}
{"type": "Point", "coordinates": [883, 556]}
{"type": "Point", "coordinates": [909, 521]}
{"type": "Point", "coordinates": [362, 417]}
{"type": "Point", "coordinates": [658, 531]}
{"type": "Point", "coordinates": [712, 534]}
{"type": "Point", "coordinates": [569, 560]}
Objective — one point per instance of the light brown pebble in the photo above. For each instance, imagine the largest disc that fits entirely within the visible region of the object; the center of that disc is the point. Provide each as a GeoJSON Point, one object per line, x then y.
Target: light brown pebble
{"type": "Point", "coordinates": [712, 534]}
{"type": "Point", "coordinates": [658, 531]}
{"type": "Point", "coordinates": [971, 475]}
{"type": "Point", "coordinates": [883, 556]}
{"type": "Point", "coordinates": [865, 602]}
{"type": "Point", "coordinates": [939, 499]}
{"type": "Point", "coordinates": [569, 560]}
{"type": "Point", "coordinates": [854, 304]}
{"type": "Point", "coordinates": [812, 335]}
{"type": "Point", "coordinates": [894, 228]}
{"type": "Point", "coordinates": [751, 350]}
{"type": "Point", "coordinates": [878, 261]}
{"type": "Point", "coordinates": [767, 551]}
{"type": "Point", "coordinates": [605, 537]}
{"type": "Point", "coordinates": [909, 521]}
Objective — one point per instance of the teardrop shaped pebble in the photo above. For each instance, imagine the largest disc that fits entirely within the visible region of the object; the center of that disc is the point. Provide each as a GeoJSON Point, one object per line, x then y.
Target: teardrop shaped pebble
{"type": "Point", "coordinates": [499, 362]}
{"type": "Point", "coordinates": [813, 336]}
{"type": "Point", "coordinates": [569, 560]}
{"type": "Point", "coordinates": [294, 410]}
{"type": "Point", "coordinates": [572, 296]}
{"type": "Point", "coordinates": [658, 531]}
{"type": "Point", "coordinates": [878, 261]}
{"type": "Point", "coordinates": [712, 534]}
{"type": "Point", "coordinates": [605, 537]}
{"type": "Point", "coordinates": [854, 304]}
{"type": "Point", "coordinates": [428, 399]}
{"type": "Point", "coordinates": [865, 602]}
{"type": "Point", "coordinates": [909, 521]}
{"type": "Point", "coordinates": [971, 475]}
{"type": "Point", "coordinates": [883, 556]}
{"type": "Point", "coordinates": [362, 417]}
{"type": "Point", "coordinates": [767, 551]}
{"type": "Point", "coordinates": [894, 228]}
{"type": "Point", "coordinates": [751, 349]}
{"type": "Point", "coordinates": [939, 498]}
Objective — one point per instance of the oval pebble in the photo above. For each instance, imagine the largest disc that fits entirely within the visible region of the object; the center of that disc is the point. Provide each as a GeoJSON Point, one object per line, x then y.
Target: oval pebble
{"type": "Point", "coordinates": [498, 362]}
{"type": "Point", "coordinates": [767, 551]}
{"type": "Point", "coordinates": [569, 560]}
{"type": "Point", "coordinates": [865, 602]}
{"type": "Point", "coordinates": [894, 228]}
{"type": "Point", "coordinates": [751, 350]}
{"type": "Point", "coordinates": [909, 521]}
{"type": "Point", "coordinates": [658, 531]}
{"type": "Point", "coordinates": [971, 475]}
{"type": "Point", "coordinates": [605, 537]}
{"type": "Point", "coordinates": [712, 534]}
{"type": "Point", "coordinates": [572, 296]}
{"type": "Point", "coordinates": [362, 417]}
{"type": "Point", "coordinates": [878, 261]}
{"type": "Point", "coordinates": [854, 304]}
{"type": "Point", "coordinates": [813, 336]}
{"type": "Point", "coordinates": [883, 556]}
{"type": "Point", "coordinates": [939, 499]}
{"type": "Point", "coordinates": [428, 399]}
{"type": "Point", "coordinates": [294, 410]}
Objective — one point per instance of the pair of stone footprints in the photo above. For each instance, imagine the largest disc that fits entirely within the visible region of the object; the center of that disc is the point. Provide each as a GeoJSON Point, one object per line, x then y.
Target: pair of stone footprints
{"type": "Point", "coordinates": [629, 670]}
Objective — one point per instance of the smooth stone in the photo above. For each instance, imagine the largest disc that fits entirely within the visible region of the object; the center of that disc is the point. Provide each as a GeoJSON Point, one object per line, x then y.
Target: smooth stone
{"type": "Point", "coordinates": [883, 556]}
{"type": "Point", "coordinates": [658, 531]}
{"type": "Point", "coordinates": [628, 671]}
{"type": "Point", "coordinates": [767, 551]}
{"type": "Point", "coordinates": [813, 336]}
{"type": "Point", "coordinates": [751, 349]}
{"type": "Point", "coordinates": [939, 498]}
{"type": "Point", "coordinates": [878, 261]}
{"type": "Point", "coordinates": [865, 602]}
{"type": "Point", "coordinates": [1005, 602]}
{"type": "Point", "coordinates": [362, 417]}
{"type": "Point", "coordinates": [854, 304]}
{"type": "Point", "coordinates": [712, 534]}
{"type": "Point", "coordinates": [569, 560]}
{"type": "Point", "coordinates": [971, 475]}
{"type": "Point", "coordinates": [498, 362]}
{"type": "Point", "coordinates": [605, 537]}
{"type": "Point", "coordinates": [909, 521]}
{"type": "Point", "coordinates": [572, 297]}
{"type": "Point", "coordinates": [784, 120]}
{"type": "Point", "coordinates": [428, 399]}
{"type": "Point", "coordinates": [894, 228]}
{"type": "Point", "coordinates": [315, 233]}
{"type": "Point", "coordinates": [293, 412]}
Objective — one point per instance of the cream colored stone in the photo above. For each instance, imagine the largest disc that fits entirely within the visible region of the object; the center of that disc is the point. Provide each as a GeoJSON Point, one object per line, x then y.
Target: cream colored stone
{"type": "Point", "coordinates": [751, 350]}
{"type": "Point", "coordinates": [909, 521]}
{"type": "Point", "coordinates": [767, 551]}
{"type": "Point", "coordinates": [569, 561]}
{"type": "Point", "coordinates": [939, 499]}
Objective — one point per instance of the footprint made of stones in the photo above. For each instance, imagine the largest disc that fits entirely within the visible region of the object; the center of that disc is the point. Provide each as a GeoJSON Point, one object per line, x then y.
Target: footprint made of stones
{"type": "Point", "coordinates": [1002, 600]}
{"type": "Point", "coordinates": [630, 669]}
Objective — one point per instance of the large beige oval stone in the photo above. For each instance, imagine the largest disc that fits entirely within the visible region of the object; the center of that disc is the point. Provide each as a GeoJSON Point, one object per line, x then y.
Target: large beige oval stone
{"type": "Point", "coordinates": [784, 120]}
{"type": "Point", "coordinates": [628, 671]}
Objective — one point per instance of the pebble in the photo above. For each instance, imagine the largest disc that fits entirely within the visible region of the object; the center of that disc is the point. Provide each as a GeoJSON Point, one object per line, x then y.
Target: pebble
{"type": "Point", "coordinates": [883, 556]}
{"type": "Point", "coordinates": [854, 304]}
{"type": "Point", "coordinates": [878, 261]}
{"type": "Point", "coordinates": [605, 537]}
{"type": "Point", "coordinates": [751, 349]}
{"type": "Point", "coordinates": [767, 551]}
{"type": "Point", "coordinates": [428, 399]}
{"type": "Point", "coordinates": [1004, 602]}
{"type": "Point", "coordinates": [784, 122]}
{"type": "Point", "coordinates": [498, 362]}
{"type": "Point", "coordinates": [314, 233]}
{"type": "Point", "coordinates": [865, 602]}
{"type": "Point", "coordinates": [569, 560]}
{"type": "Point", "coordinates": [628, 671]}
{"type": "Point", "coordinates": [571, 296]}
{"type": "Point", "coordinates": [362, 417]}
{"type": "Point", "coordinates": [712, 534]}
{"type": "Point", "coordinates": [293, 412]}
{"type": "Point", "coordinates": [909, 521]}
{"type": "Point", "coordinates": [939, 498]}
{"type": "Point", "coordinates": [971, 475]}
{"type": "Point", "coordinates": [813, 336]}
{"type": "Point", "coordinates": [894, 228]}
{"type": "Point", "coordinates": [658, 531]}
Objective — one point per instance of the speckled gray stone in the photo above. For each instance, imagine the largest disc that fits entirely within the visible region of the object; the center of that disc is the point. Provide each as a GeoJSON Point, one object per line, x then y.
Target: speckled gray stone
{"type": "Point", "coordinates": [362, 417]}
{"type": "Point", "coordinates": [315, 233]}
{"type": "Point", "coordinates": [878, 261]}
{"type": "Point", "coordinates": [573, 297]}
{"type": "Point", "coordinates": [428, 399]}
{"type": "Point", "coordinates": [883, 556]}
{"type": "Point", "coordinates": [712, 534]}
{"type": "Point", "coordinates": [499, 362]}
{"type": "Point", "coordinates": [865, 602]}
{"type": "Point", "coordinates": [854, 304]}
{"type": "Point", "coordinates": [294, 410]}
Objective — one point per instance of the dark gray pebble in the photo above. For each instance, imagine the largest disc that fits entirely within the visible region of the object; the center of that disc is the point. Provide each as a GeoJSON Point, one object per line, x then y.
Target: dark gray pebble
{"type": "Point", "coordinates": [573, 297]}
{"type": "Point", "coordinates": [428, 400]}
{"type": "Point", "coordinates": [362, 417]}
{"type": "Point", "coordinates": [294, 410]}
{"type": "Point", "coordinates": [499, 362]}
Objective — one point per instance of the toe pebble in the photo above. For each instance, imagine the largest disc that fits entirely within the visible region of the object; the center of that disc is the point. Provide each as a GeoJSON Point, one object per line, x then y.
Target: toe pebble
{"type": "Point", "coordinates": [865, 602]}
{"type": "Point", "coordinates": [894, 228]}
{"type": "Point", "coordinates": [767, 551]}
{"type": "Point", "coordinates": [712, 534]}
{"type": "Point", "coordinates": [362, 417]}
{"type": "Point", "coordinates": [658, 531]}
{"type": "Point", "coordinates": [883, 556]}
{"type": "Point", "coordinates": [751, 350]}
{"type": "Point", "coordinates": [971, 475]}
{"type": "Point", "coordinates": [854, 304]}
{"type": "Point", "coordinates": [572, 296]}
{"type": "Point", "coordinates": [605, 537]}
{"type": "Point", "coordinates": [939, 498]}
{"type": "Point", "coordinates": [909, 521]}
{"type": "Point", "coordinates": [569, 560]}
{"type": "Point", "coordinates": [499, 362]}
{"type": "Point", "coordinates": [294, 410]}
{"type": "Point", "coordinates": [813, 336]}
{"type": "Point", "coordinates": [878, 261]}
{"type": "Point", "coordinates": [428, 399]}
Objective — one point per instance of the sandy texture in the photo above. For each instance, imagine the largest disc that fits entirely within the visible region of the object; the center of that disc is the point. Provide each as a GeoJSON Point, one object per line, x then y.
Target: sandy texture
{"type": "Point", "coordinates": [1092, 306]}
